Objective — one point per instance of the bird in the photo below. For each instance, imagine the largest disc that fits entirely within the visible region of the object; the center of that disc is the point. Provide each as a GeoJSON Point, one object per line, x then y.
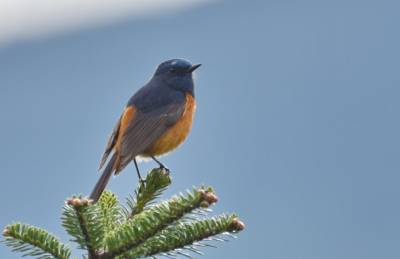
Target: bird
{"type": "Point", "coordinates": [154, 122]}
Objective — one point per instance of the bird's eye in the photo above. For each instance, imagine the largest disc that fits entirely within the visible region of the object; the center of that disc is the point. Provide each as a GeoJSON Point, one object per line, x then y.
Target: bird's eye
{"type": "Point", "coordinates": [173, 70]}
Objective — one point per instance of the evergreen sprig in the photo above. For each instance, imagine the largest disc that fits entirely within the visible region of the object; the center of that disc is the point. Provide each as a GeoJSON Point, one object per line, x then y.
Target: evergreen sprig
{"type": "Point", "coordinates": [33, 241]}
{"type": "Point", "coordinates": [144, 225]}
{"type": "Point", "coordinates": [107, 230]}
{"type": "Point", "coordinates": [149, 190]}
{"type": "Point", "coordinates": [110, 211]}
{"type": "Point", "coordinates": [84, 223]}
{"type": "Point", "coordinates": [184, 235]}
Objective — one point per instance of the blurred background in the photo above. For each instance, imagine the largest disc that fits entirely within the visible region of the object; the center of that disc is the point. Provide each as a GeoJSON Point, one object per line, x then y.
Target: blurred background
{"type": "Point", "coordinates": [297, 126]}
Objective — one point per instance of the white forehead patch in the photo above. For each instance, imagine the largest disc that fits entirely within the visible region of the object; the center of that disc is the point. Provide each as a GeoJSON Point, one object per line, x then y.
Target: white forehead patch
{"type": "Point", "coordinates": [174, 62]}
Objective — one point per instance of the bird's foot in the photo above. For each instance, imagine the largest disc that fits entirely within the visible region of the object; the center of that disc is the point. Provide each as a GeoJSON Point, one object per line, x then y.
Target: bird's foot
{"type": "Point", "coordinates": [163, 167]}
{"type": "Point", "coordinates": [142, 181]}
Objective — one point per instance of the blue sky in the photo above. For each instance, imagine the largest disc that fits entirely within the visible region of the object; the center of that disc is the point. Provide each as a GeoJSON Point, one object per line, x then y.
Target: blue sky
{"type": "Point", "coordinates": [297, 122]}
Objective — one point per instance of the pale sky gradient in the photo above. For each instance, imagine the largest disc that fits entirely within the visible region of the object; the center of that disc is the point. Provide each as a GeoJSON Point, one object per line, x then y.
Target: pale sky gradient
{"type": "Point", "coordinates": [26, 19]}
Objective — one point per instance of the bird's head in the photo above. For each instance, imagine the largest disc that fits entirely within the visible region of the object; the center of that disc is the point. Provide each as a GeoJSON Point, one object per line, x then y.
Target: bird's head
{"type": "Point", "coordinates": [177, 73]}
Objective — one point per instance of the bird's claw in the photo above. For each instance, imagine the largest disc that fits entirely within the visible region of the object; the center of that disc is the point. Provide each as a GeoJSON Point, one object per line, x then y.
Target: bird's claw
{"type": "Point", "coordinates": [142, 182]}
{"type": "Point", "coordinates": [166, 169]}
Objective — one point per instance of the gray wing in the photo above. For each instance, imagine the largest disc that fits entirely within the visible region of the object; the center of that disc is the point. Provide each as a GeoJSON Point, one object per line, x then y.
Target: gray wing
{"type": "Point", "coordinates": [145, 128]}
{"type": "Point", "coordinates": [110, 144]}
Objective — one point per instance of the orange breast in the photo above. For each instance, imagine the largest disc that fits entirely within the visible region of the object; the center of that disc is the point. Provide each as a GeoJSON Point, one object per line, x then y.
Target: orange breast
{"type": "Point", "coordinates": [177, 133]}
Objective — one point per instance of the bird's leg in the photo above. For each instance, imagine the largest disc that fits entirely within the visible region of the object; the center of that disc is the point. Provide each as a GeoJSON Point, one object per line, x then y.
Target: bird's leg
{"type": "Point", "coordinates": [162, 166]}
{"type": "Point", "coordinates": [138, 172]}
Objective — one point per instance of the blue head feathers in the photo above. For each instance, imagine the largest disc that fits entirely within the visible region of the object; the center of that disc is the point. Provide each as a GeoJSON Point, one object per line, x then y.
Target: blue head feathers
{"type": "Point", "coordinates": [177, 74]}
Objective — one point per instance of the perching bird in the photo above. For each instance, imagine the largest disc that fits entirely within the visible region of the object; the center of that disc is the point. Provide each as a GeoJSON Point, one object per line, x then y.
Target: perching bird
{"type": "Point", "coordinates": [155, 121]}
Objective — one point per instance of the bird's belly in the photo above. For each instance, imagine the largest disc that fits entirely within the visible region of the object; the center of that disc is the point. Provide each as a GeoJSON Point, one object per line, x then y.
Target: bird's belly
{"type": "Point", "coordinates": [176, 134]}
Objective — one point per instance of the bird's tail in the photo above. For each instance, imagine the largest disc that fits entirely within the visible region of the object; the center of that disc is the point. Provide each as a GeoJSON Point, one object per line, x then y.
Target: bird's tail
{"type": "Point", "coordinates": [102, 182]}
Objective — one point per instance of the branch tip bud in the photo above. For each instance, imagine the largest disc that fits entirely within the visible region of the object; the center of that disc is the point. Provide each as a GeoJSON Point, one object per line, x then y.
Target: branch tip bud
{"type": "Point", "coordinates": [85, 202]}
{"type": "Point", "coordinates": [6, 232]}
{"type": "Point", "coordinates": [208, 196]}
{"type": "Point", "coordinates": [70, 201]}
{"type": "Point", "coordinates": [204, 204]}
{"type": "Point", "coordinates": [202, 193]}
{"type": "Point", "coordinates": [211, 198]}
{"type": "Point", "coordinates": [76, 202]}
{"type": "Point", "coordinates": [236, 225]}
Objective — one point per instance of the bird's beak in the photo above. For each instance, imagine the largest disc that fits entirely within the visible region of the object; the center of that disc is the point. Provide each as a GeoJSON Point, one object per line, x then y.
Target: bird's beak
{"type": "Point", "coordinates": [194, 67]}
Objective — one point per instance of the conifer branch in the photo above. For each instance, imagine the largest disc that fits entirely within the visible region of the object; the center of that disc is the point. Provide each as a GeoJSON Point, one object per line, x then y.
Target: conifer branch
{"type": "Point", "coordinates": [111, 212]}
{"type": "Point", "coordinates": [170, 228]}
{"type": "Point", "coordinates": [149, 222]}
{"type": "Point", "coordinates": [85, 233]}
{"type": "Point", "coordinates": [184, 236]}
{"type": "Point", "coordinates": [82, 221]}
{"type": "Point", "coordinates": [156, 182]}
{"type": "Point", "coordinates": [33, 241]}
